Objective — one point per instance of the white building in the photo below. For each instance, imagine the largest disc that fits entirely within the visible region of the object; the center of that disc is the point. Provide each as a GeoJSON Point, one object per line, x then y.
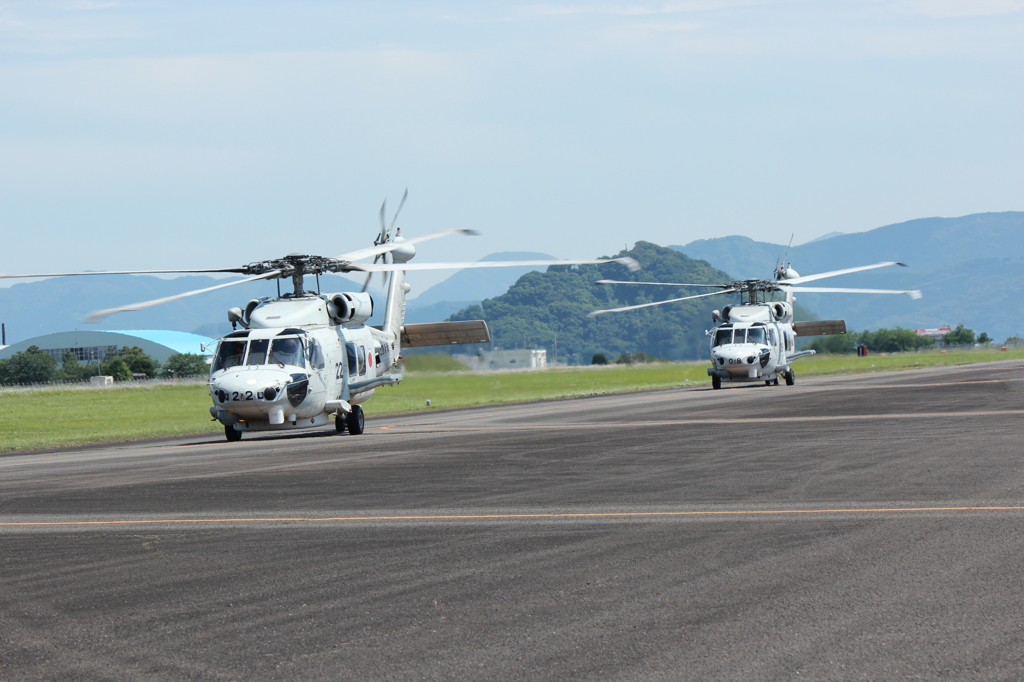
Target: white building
{"type": "Point", "coordinates": [508, 359]}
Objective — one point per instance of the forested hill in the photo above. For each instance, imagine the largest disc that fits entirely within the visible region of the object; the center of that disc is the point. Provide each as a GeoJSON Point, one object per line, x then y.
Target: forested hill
{"type": "Point", "coordinates": [544, 306]}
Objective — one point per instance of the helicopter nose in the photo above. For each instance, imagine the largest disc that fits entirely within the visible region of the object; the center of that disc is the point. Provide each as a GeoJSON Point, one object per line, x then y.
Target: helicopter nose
{"type": "Point", "coordinates": [735, 361]}
{"type": "Point", "coordinates": [250, 387]}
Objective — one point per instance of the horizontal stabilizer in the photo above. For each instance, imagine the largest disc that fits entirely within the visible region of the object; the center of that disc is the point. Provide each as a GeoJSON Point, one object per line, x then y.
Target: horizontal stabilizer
{"type": "Point", "coordinates": [445, 333]}
{"type": "Point", "coordinates": [819, 327]}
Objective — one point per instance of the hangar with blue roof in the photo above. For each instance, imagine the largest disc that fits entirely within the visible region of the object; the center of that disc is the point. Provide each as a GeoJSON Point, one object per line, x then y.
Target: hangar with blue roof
{"type": "Point", "coordinates": [93, 346]}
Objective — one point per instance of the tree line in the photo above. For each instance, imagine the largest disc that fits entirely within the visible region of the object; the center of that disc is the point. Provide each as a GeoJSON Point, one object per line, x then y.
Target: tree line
{"type": "Point", "coordinates": [35, 366]}
{"type": "Point", "coordinates": [896, 340]}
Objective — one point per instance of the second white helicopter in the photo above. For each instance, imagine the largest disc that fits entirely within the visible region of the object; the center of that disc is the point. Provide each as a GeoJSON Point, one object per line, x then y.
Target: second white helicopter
{"type": "Point", "coordinates": [756, 340]}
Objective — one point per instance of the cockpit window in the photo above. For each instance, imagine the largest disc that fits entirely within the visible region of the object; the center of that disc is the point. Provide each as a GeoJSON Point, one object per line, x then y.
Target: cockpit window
{"type": "Point", "coordinates": [232, 353]}
{"type": "Point", "coordinates": [229, 354]}
{"type": "Point", "coordinates": [723, 337]}
{"type": "Point", "coordinates": [287, 352]}
{"type": "Point", "coordinates": [739, 336]}
{"type": "Point", "coordinates": [258, 352]}
{"type": "Point", "coordinates": [756, 335]}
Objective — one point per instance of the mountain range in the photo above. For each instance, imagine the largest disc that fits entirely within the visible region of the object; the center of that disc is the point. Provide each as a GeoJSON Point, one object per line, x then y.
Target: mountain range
{"type": "Point", "coordinates": [969, 270]}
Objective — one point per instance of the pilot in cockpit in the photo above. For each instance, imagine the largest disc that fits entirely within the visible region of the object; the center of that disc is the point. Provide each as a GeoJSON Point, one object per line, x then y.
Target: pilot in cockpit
{"type": "Point", "coordinates": [287, 352]}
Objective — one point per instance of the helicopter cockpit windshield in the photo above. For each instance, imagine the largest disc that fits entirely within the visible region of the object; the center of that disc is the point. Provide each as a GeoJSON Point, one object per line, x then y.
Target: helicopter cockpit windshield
{"type": "Point", "coordinates": [242, 352]}
{"type": "Point", "coordinates": [724, 337]}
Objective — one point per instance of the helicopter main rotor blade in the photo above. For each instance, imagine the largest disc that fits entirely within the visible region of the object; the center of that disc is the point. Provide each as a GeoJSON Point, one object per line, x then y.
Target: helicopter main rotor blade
{"type": "Point", "coordinates": [98, 315]}
{"type": "Point", "coordinates": [391, 246]}
{"type": "Point", "coordinates": [836, 273]}
{"type": "Point", "coordinates": [666, 284]}
{"type": "Point", "coordinates": [648, 305]}
{"type": "Point", "coordinates": [915, 294]}
{"type": "Point", "coordinates": [390, 267]}
{"type": "Point", "coordinates": [120, 272]}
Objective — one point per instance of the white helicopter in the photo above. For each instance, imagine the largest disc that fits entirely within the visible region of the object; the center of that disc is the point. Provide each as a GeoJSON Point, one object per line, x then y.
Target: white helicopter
{"type": "Point", "coordinates": [756, 340]}
{"type": "Point", "coordinates": [303, 356]}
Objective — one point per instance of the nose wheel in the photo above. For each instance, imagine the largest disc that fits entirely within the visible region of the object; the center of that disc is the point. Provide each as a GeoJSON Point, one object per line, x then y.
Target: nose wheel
{"type": "Point", "coordinates": [716, 382]}
{"type": "Point", "coordinates": [231, 434]}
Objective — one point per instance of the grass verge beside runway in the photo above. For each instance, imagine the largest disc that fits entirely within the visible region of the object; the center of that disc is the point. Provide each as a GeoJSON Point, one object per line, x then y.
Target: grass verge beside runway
{"type": "Point", "coordinates": [54, 417]}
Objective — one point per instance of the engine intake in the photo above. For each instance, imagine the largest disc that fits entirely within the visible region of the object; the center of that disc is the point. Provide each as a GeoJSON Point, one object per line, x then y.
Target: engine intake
{"type": "Point", "coordinates": [781, 311]}
{"type": "Point", "coordinates": [350, 307]}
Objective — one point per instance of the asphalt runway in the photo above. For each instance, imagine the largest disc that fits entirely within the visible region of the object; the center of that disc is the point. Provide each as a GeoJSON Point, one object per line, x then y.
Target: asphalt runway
{"type": "Point", "coordinates": [846, 528]}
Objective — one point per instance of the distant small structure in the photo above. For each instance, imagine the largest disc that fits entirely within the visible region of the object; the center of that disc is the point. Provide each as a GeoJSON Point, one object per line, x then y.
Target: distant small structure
{"type": "Point", "coordinates": [936, 333]}
{"type": "Point", "coordinates": [101, 381]}
{"type": "Point", "coordinates": [530, 358]}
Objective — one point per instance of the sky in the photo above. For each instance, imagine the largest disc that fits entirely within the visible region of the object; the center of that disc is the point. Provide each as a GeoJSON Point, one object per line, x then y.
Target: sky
{"type": "Point", "coordinates": [156, 135]}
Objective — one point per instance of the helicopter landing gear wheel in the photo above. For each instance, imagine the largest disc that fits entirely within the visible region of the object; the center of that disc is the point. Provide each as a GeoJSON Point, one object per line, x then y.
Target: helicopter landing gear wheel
{"type": "Point", "coordinates": [790, 378]}
{"type": "Point", "coordinates": [716, 382]}
{"type": "Point", "coordinates": [339, 422]}
{"type": "Point", "coordinates": [355, 420]}
{"type": "Point", "coordinates": [231, 434]}
{"type": "Point", "coordinates": [768, 382]}
{"type": "Point", "coordinates": [776, 381]}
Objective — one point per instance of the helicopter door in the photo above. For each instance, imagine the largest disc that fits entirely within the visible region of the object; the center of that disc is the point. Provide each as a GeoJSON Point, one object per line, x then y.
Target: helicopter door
{"type": "Point", "coordinates": [336, 366]}
{"type": "Point", "coordinates": [316, 364]}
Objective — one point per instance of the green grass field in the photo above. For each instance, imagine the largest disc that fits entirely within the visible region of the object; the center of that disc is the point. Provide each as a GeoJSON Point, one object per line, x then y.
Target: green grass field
{"type": "Point", "coordinates": [56, 417]}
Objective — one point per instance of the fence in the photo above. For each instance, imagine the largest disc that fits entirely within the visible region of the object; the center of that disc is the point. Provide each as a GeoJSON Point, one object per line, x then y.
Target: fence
{"type": "Point", "coordinates": [85, 386]}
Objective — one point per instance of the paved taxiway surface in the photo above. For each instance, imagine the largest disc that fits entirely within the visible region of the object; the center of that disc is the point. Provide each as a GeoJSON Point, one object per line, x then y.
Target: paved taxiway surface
{"type": "Point", "coordinates": [867, 527]}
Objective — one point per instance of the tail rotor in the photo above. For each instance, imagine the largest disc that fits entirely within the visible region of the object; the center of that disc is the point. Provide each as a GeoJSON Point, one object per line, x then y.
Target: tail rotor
{"type": "Point", "coordinates": [782, 269]}
{"type": "Point", "coordinates": [385, 232]}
